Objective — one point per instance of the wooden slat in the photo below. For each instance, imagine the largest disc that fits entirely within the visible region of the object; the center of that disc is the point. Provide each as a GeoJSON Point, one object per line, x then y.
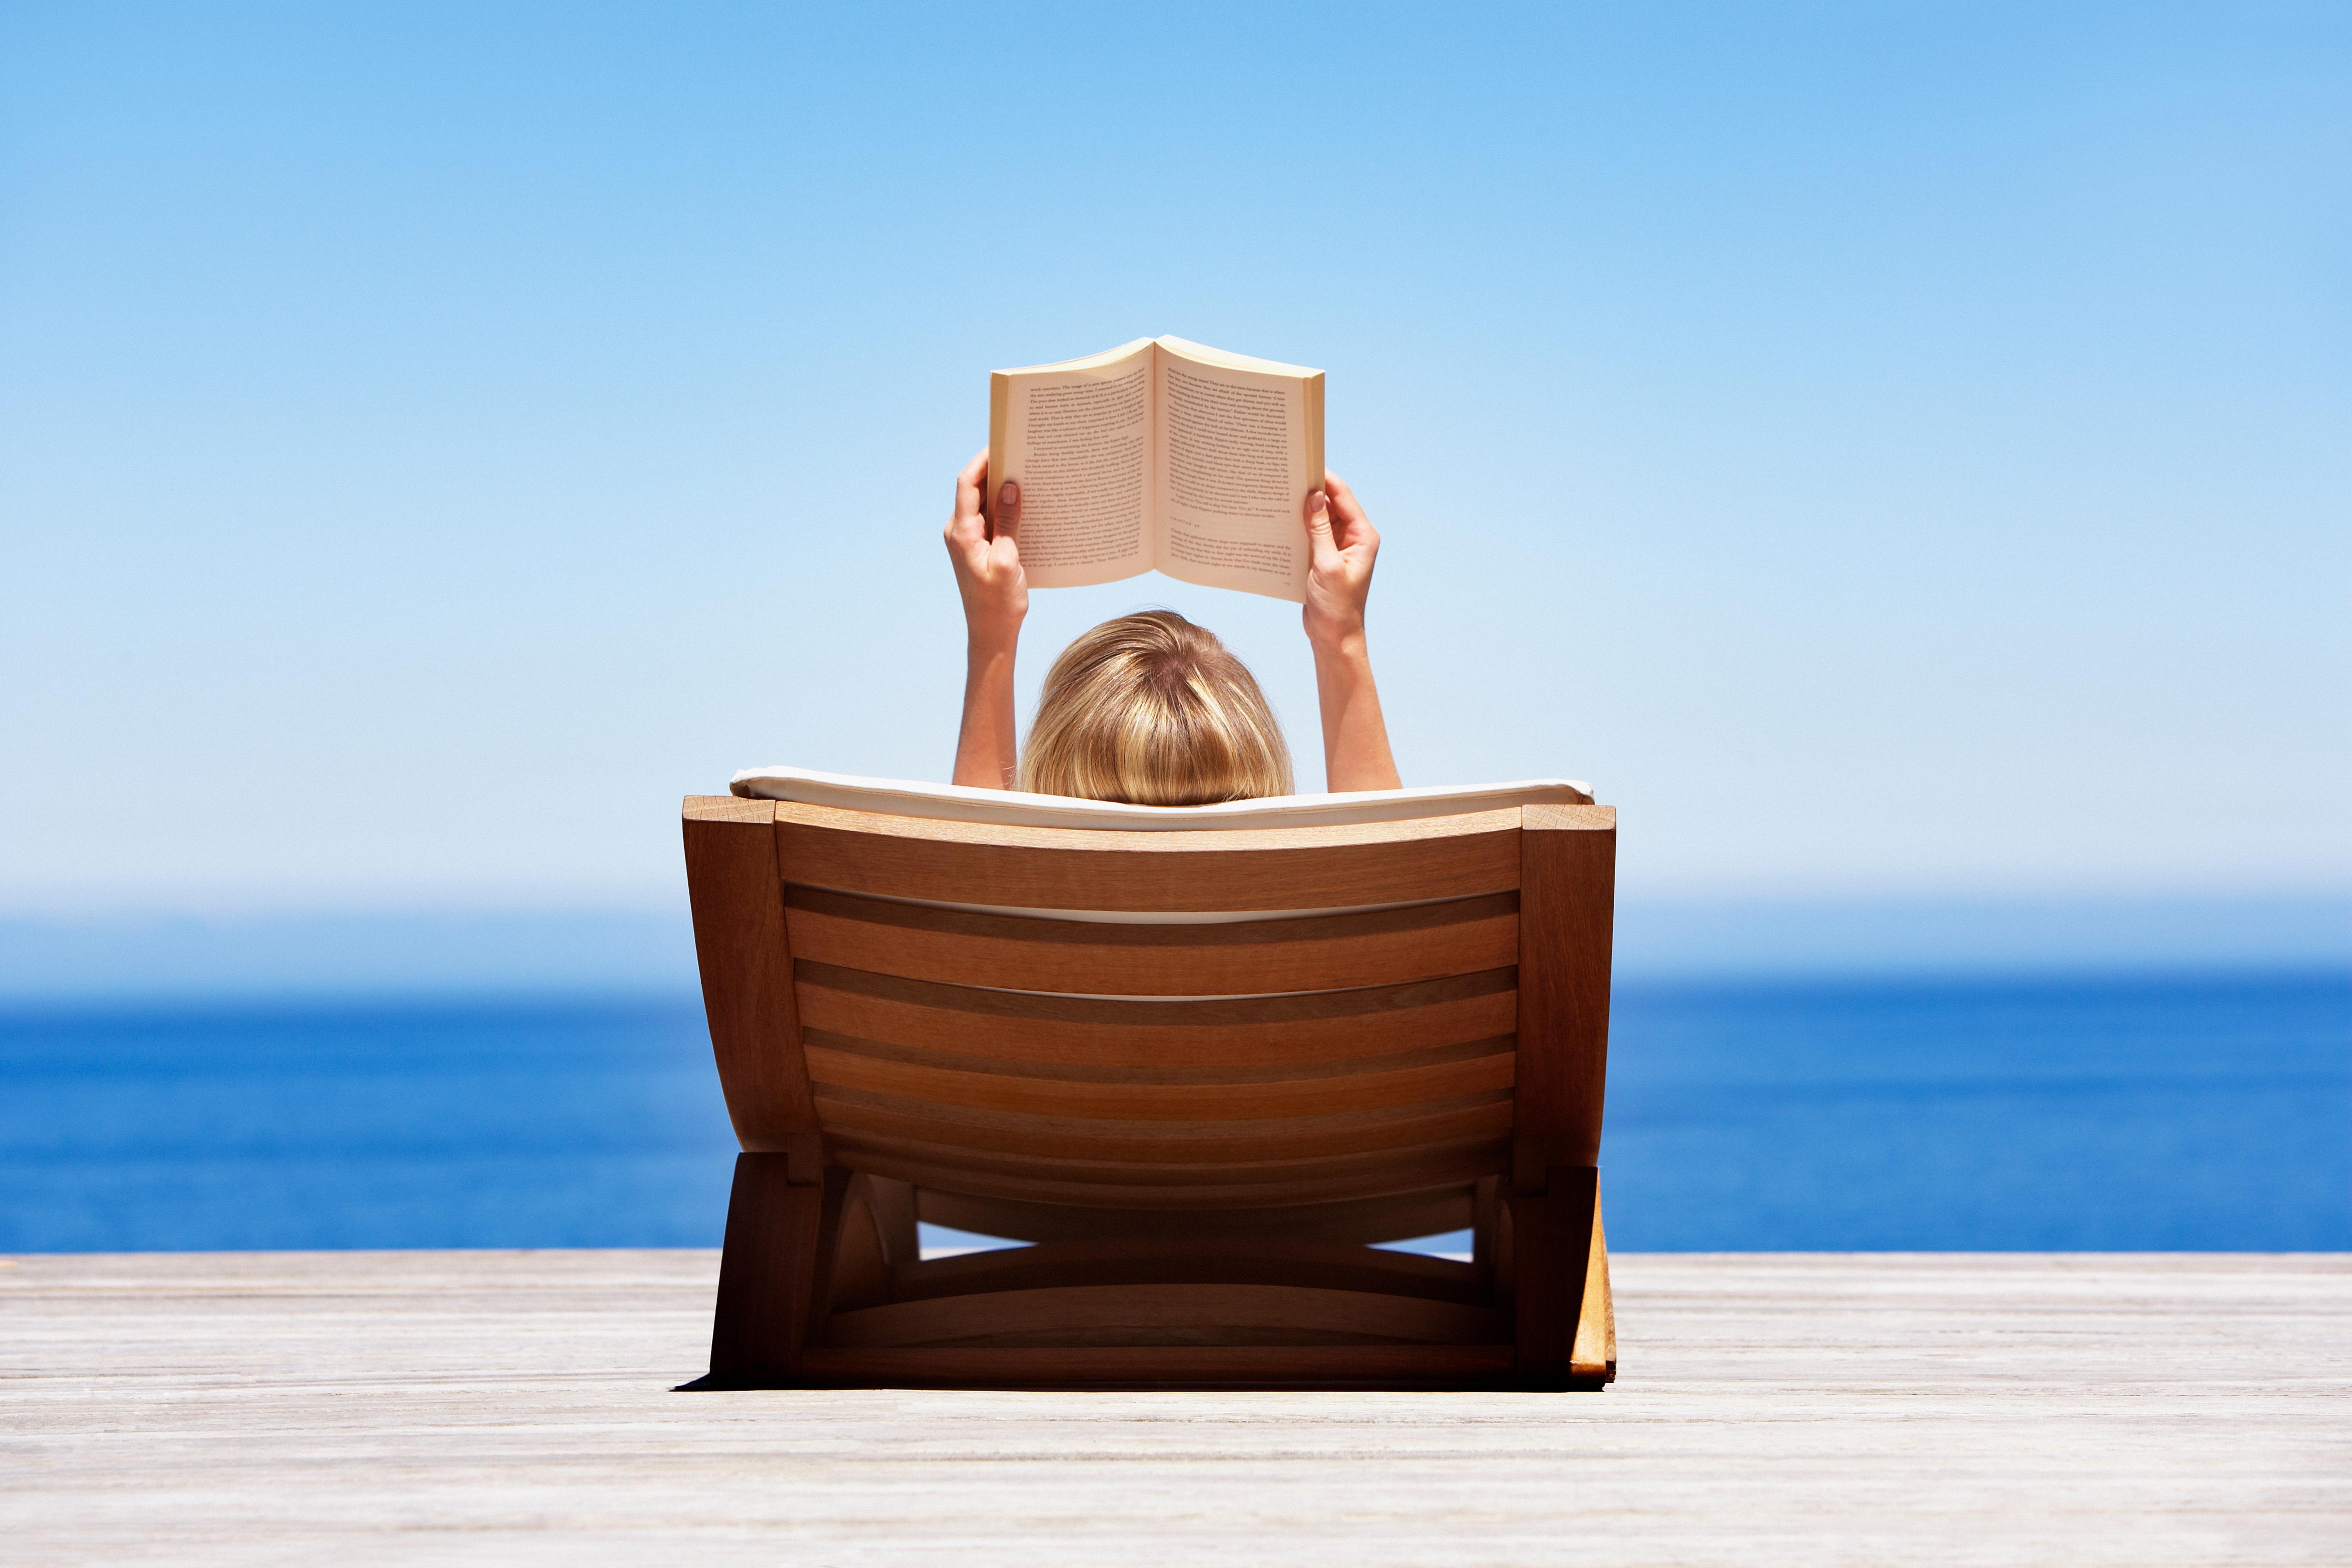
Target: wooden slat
{"type": "Point", "coordinates": [1083, 868]}
{"type": "Point", "coordinates": [1567, 896]}
{"type": "Point", "coordinates": [747, 973]}
{"type": "Point", "coordinates": [848, 1112]}
{"type": "Point", "coordinates": [1386, 1170]}
{"type": "Point", "coordinates": [1232, 1261]}
{"type": "Point", "coordinates": [1432, 1076]}
{"type": "Point", "coordinates": [1148, 1314]}
{"type": "Point", "coordinates": [962, 1175]}
{"type": "Point", "coordinates": [1254, 1031]}
{"type": "Point", "coordinates": [1329, 1072]}
{"type": "Point", "coordinates": [1380, 947]}
{"type": "Point", "coordinates": [1315, 1366]}
{"type": "Point", "coordinates": [1389, 1217]}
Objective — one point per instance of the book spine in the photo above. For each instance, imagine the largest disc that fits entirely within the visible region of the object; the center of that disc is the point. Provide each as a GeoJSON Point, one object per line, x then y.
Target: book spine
{"type": "Point", "coordinates": [1000, 408]}
{"type": "Point", "coordinates": [1315, 431]}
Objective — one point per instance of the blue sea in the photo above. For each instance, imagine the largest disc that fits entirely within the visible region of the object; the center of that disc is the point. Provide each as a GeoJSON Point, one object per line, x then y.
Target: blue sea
{"type": "Point", "coordinates": [2095, 1113]}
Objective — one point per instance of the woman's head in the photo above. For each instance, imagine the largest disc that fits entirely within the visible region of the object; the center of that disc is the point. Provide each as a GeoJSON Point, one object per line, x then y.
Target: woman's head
{"type": "Point", "coordinates": [1151, 709]}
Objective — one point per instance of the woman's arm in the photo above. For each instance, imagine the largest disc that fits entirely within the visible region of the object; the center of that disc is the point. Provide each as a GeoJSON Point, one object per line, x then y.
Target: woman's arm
{"type": "Point", "coordinates": [995, 598]}
{"type": "Point", "coordinates": [1343, 543]}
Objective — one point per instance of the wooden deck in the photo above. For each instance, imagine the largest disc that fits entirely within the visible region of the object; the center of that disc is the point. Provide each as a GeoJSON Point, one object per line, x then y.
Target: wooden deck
{"type": "Point", "coordinates": [515, 1408]}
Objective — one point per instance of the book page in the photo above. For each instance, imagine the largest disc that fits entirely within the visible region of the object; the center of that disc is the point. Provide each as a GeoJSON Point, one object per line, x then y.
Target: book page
{"type": "Point", "coordinates": [1076, 436]}
{"type": "Point", "coordinates": [1240, 444]}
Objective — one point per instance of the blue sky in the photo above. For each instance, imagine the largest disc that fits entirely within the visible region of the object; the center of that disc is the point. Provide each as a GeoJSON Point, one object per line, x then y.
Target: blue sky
{"type": "Point", "coordinates": [1896, 451]}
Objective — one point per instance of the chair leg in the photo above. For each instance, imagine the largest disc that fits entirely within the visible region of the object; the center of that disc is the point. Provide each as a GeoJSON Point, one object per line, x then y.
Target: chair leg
{"type": "Point", "coordinates": [1594, 1358]}
{"type": "Point", "coordinates": [1485, 1221]}
{"type": "Point", "coordinates": [866, 1245]}
{"type": "Point", "coordinates": [1552, 1235]}
{"type": "Point", "coordinates": [767, 1276]}
{"type": "Point", "coordinates": [894, 1218]}
{"type": "Point", "coordinates": [842, 1211]}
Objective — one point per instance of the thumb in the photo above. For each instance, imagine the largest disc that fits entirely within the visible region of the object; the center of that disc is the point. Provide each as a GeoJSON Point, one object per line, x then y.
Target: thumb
{"type": "Point", "coordinates": [1007, 522]}
{"type": "Point", "coordinates": [1321, 547]}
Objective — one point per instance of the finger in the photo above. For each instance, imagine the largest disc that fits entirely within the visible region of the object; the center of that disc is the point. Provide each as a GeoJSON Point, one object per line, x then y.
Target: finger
{"type": "Point", "coordinates": [1350, 524]}
{"type": "Point", "coordinates": [1344, 504]}
{"type": "Point", "coordinates": [1007, 525]}
{"type": "Point", "coordinates": [965, 521]}
{"type": "Point", "coordinates": [1321, 548]}
{"type": "Point", "coordinates": [969, 483]}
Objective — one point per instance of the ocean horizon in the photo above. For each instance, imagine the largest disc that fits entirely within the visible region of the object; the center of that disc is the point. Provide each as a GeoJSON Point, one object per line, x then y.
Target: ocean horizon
{"type": "Point", "coordinates": [2091, 1111]}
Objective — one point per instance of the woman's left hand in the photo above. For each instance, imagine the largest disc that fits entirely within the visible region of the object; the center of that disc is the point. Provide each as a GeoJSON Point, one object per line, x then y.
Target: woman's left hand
{"type": "Point", "coordinates": [1341, 545]}
{"type": "Point", "coordinates": [988, 562]}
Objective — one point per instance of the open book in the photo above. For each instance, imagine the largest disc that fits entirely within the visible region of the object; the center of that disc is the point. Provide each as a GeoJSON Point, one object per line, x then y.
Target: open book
{"type": "Point", "coordinates": [1160, 454]}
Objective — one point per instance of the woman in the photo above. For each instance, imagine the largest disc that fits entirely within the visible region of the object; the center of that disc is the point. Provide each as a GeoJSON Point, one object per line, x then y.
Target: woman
{"type": "Point", "coordinates": [1150, 708]}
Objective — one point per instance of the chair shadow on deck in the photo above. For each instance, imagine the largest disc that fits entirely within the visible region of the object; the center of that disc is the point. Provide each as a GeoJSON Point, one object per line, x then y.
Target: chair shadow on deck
{"type": "Point", "coordinates": [1199, 1072]}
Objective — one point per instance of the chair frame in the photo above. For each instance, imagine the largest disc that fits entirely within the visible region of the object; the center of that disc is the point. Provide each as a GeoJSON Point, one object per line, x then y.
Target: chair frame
{"type": "Point", "coordinates": [812, 1238]}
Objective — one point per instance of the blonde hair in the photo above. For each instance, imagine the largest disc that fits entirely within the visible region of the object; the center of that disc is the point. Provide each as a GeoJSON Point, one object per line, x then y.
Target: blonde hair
{"type": "Point", "coordinates": [1151, 709]}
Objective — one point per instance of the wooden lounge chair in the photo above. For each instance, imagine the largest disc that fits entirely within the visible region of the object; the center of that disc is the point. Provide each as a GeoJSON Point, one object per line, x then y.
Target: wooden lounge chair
{"type": "Point", "coordinates": [1331, 1036]}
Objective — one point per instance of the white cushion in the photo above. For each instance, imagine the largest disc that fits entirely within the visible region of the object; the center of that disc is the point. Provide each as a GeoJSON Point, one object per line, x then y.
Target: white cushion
{"type": "Point", "coordinates": [962, 803]}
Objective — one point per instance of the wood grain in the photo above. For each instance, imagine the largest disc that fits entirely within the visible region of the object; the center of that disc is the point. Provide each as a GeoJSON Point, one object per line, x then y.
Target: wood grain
{"type": "Point", "coordinates": [1406, 1080]}
{"type": "Point", "coordinates": [1317, 868]}
{"type": "Point", "coordinates": [1183, 1314]}
{"type": "Point", "coordinates": [1592, 1355]}
{"type": "Point", "coordinates": [1152, 1191]}
{"type": "Point", "coordinates": [861, 1262]}
{"type": "Point", "coordinates": [1379, 1170]}
{"type": "Point", "coordinates": [1253, 1031]}
{"type": "Point", "coordinates": [1552, 1230]}
{"type": "Point", "coordinates": [1380, 947]}
{"type": "Point", "coordinates": [495, 1407]}
{"type": "Point", "coordinates": [1143, 1187]}
{"type": "Point", "coordinates": [1473, 1117]}
{"type": "Point", "coordinates": [1378, 1366]}
{"type": "Point", "coordinates": [747, 971]}
{"type": "Point", "coordinates": [1566, 903]}
{"type": "Point", "coordinates": [761, 1323]}
{"type": "Point", "coordinates": [728, 808]}
{"type": "Point", "coordinates": [893, 1221]}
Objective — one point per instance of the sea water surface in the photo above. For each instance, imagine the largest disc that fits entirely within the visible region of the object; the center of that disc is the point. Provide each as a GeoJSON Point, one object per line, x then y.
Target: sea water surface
{"type": "Point", "coordinates": [2094, 1113]}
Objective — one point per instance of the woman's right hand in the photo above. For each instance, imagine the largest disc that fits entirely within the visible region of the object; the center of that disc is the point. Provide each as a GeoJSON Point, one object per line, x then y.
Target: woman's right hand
{"type": "Point", "coordinates": [988, 562]}
{"type": "Point", "coordinates": [1343, 543]}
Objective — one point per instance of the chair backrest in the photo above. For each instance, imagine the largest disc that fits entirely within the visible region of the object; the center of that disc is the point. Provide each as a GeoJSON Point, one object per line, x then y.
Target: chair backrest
{"type": "Point", "coordinates": [1215, 1020]}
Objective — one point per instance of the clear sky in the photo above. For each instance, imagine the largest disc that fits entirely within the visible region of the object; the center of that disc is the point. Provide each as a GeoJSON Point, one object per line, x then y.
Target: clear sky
{"type": "Point", "coordinates": [1893, 450]}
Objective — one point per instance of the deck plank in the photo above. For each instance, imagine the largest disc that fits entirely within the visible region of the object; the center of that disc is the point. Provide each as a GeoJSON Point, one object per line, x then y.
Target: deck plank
{"type": "Point", "coordinates": [514, 1407]}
